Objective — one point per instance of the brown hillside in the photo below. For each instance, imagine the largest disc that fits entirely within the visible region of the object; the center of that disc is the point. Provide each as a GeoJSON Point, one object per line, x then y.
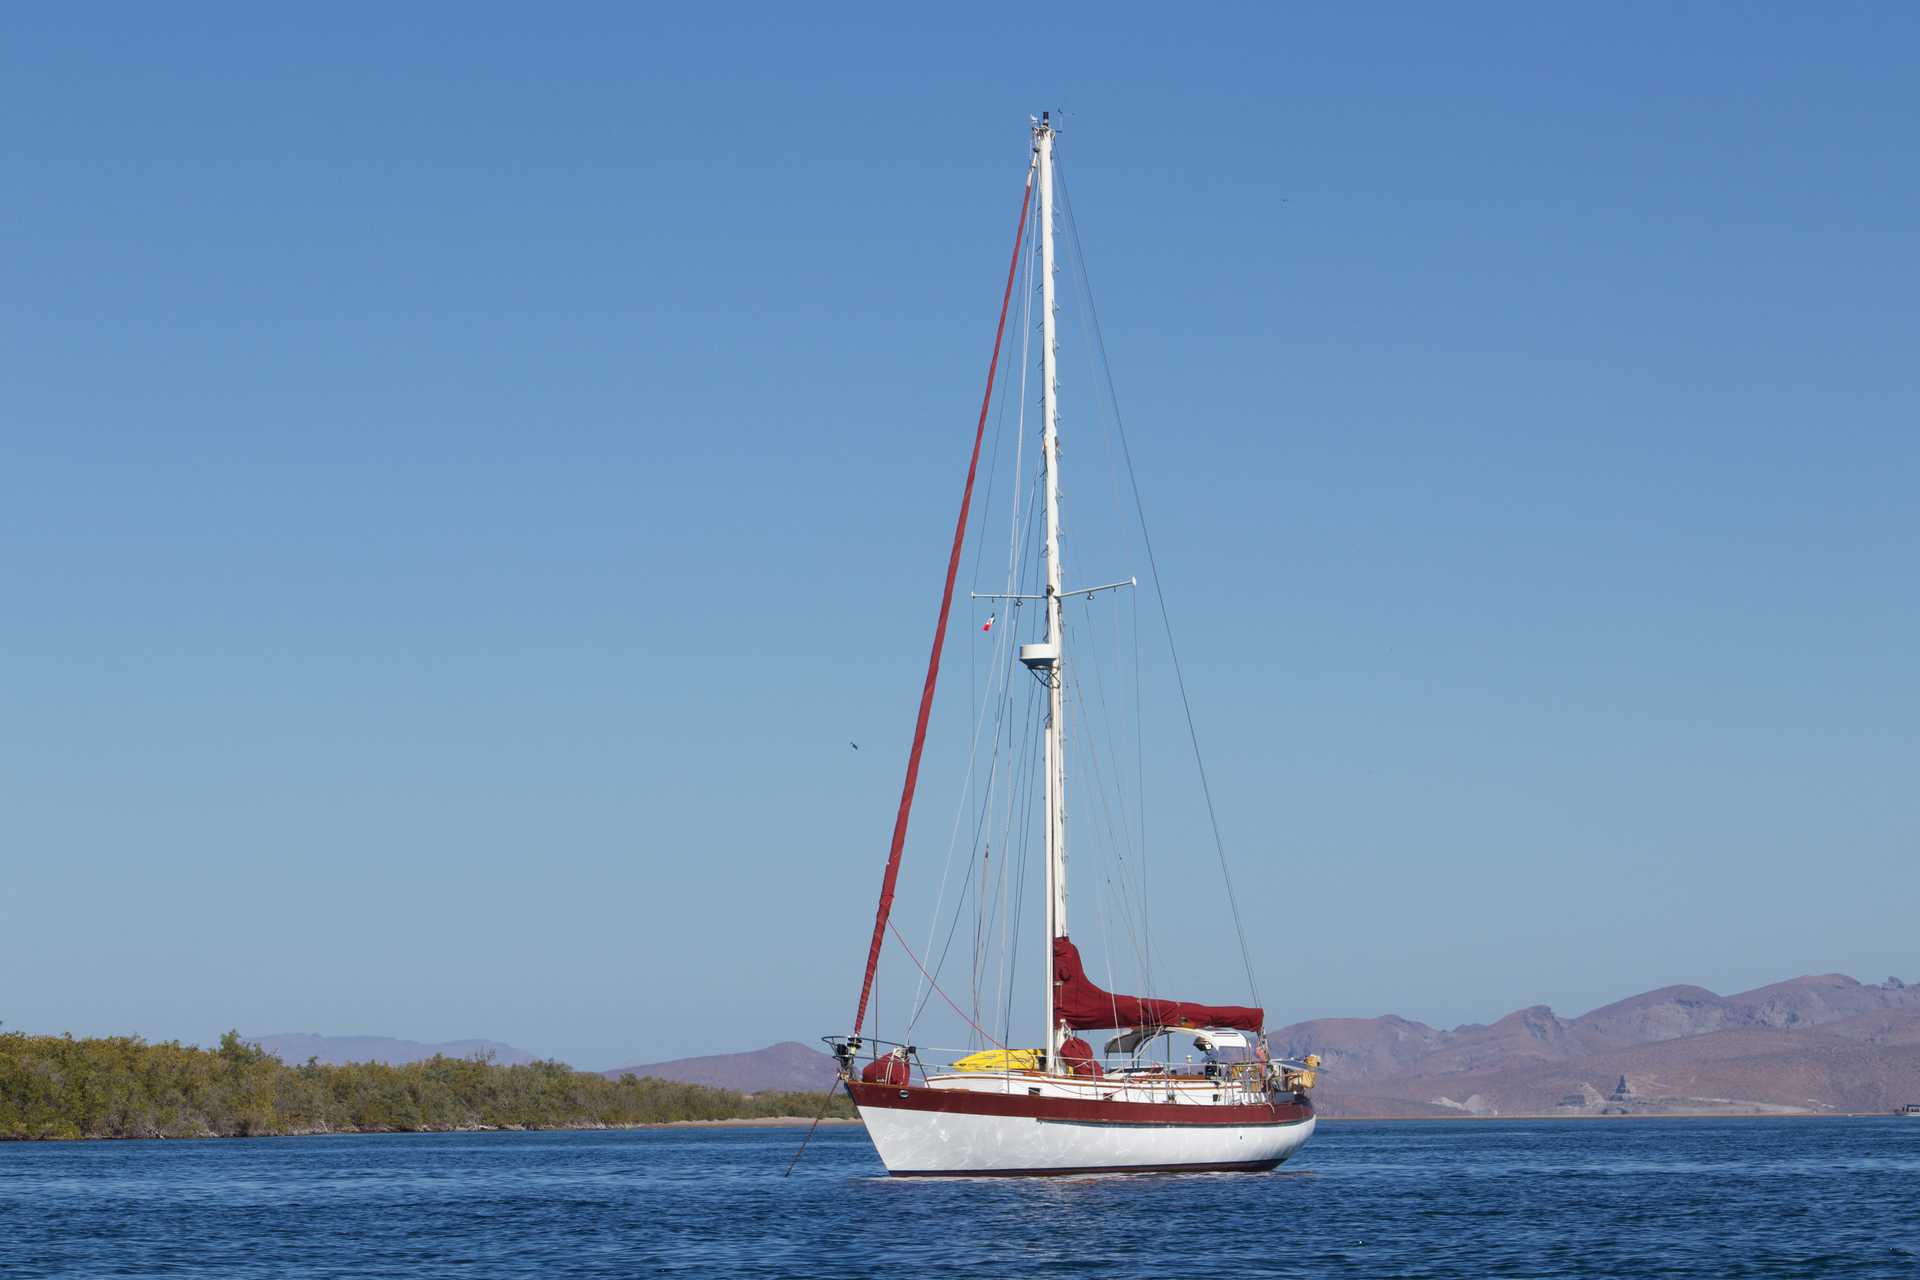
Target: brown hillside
{"type": "Point", "coordinates": [1821, 1042]}
{"type": "Point", "coordinates": [1870, 1063]}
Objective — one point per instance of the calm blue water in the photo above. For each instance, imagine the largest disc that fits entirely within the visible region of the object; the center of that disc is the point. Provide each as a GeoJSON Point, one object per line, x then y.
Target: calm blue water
{"type": "Point", "coordinates": [1473, 1199]}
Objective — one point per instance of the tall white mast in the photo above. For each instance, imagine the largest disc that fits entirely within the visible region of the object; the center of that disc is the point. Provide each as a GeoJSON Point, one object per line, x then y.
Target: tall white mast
{"type": "Point", "coordinates": [1052, 671]}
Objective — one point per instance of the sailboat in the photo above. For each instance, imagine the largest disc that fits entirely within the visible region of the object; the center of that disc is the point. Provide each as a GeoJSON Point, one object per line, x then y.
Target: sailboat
{"type": "Point", "coordinates": [1059, 1108]}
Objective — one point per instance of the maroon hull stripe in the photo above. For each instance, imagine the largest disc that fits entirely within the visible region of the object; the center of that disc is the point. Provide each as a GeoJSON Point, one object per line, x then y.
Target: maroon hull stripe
{"type": "Point", "coordinates": [1076, 1110]}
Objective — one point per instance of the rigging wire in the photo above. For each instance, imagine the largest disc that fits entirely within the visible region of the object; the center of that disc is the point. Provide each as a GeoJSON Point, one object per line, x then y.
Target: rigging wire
{"type": "Point", "coordinates": [1144, 943]}
{"type": "Point", "coordinates": [962, 803]}
{"type": "Point", "coordinates": [1015, 544]}
{"type": "Point", "coordinates": [1097, 776]}
{"type": "Point", "coordinates": [1166, 617]}
{"type": "Point", "coordinates": [818, 1117]}
{"type": "Point", "coordinates": [902, 940]}
{"type": "Point", "coordinates": [981, 853]}
{"type": "Point", "coordinates": [890, 879]}
{"type": "Point", "coordinates": [1019, 774]}
{"type": "Point", "coordinates": [1030, 786]}
{"type": "Point", "coordinates": [1011, 887]}
{"type": "Point", "coordinates": [1140, 782]}
{"type": "Point", "coordinates": [1001, 666]}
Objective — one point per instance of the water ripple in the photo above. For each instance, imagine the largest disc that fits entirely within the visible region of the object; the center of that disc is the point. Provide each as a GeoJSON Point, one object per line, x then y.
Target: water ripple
{"type": "Point", "coordinates": [1678, 1198]}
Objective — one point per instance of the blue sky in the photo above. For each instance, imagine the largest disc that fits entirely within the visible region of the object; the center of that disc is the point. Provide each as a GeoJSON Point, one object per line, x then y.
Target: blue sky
{"type": "Point", "coordinates": [469, 473]}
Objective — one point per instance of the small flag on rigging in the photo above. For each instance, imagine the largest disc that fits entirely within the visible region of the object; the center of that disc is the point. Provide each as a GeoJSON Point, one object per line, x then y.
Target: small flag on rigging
{"type": "Point", "coordinates": [989, 622]}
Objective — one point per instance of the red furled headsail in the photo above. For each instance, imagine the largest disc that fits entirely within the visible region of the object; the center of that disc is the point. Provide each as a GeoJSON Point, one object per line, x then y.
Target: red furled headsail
{"type": "Point", "coordinates": [1080, 1004]}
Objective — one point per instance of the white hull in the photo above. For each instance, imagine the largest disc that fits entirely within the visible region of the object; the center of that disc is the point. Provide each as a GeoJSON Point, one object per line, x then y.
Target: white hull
{"type": "Point", "coordinates": [920, 1142]}
{"type": "Point", "coordinates": [923, 1137]}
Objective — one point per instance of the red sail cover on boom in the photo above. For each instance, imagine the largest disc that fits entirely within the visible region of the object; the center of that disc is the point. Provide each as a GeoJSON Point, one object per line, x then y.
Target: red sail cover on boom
{"type": "Point", "coordinates": [1080, 1004]}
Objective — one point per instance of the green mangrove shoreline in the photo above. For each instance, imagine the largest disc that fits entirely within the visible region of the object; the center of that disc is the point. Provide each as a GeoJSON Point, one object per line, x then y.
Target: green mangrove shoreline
{"type": "Point", "coordinates": [59, 1087]}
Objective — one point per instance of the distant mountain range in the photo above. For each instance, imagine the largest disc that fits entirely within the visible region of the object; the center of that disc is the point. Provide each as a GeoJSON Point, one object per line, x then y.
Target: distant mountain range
{"type": "Point", "coordinates": [1825, 1043]}
{"type": "Point", "coordinates": [778, 1067]}
{"type": "Point", "coordinates": [1813, 1044]}
{"type": "Point", "coordinates": [295, 1047]}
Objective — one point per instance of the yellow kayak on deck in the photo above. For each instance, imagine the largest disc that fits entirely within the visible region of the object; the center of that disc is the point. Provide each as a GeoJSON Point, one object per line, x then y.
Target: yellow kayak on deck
{"type": "Point", "coordinates": [1003, 1060]}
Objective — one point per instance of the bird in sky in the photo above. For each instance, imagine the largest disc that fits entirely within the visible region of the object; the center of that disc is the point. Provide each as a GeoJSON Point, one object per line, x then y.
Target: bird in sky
{"type": "Point", "coordinates": [854, 745]}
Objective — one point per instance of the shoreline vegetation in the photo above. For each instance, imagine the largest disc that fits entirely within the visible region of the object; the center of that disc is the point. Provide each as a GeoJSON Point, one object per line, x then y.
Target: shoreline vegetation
{"type": "Point", "coordinates": [59, 1087]}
